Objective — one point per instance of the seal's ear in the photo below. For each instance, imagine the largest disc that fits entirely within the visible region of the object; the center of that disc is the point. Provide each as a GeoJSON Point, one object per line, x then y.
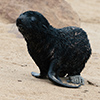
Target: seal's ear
{"type": "Point", "coordinates": [33, 19]}
{"type": "Point", "coordinates": [44, 26]}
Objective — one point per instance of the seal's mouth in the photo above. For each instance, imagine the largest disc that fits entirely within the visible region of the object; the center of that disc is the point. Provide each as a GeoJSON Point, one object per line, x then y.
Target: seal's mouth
{"type": "Point", "coordinates": [20, 27]}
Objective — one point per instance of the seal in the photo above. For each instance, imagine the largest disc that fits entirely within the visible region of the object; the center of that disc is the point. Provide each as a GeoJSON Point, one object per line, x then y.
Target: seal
{"type": "Point", "coordinates": [57, 52]}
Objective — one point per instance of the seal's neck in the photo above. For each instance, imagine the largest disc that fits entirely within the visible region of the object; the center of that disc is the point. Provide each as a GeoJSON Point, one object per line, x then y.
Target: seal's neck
{"type": "Point", "coordinates": [40, 35]}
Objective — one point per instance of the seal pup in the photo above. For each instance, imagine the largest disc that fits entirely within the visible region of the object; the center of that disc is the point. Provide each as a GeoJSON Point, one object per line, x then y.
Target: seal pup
{"type": "Point", "coordinates": [57, 52]}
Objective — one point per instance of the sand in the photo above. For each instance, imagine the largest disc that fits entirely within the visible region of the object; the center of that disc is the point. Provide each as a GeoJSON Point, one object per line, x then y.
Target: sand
{"type": "Point", "coordinates": [16, 82]}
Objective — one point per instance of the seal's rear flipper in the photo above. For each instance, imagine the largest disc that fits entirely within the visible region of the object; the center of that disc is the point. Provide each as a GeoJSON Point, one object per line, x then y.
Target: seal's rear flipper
{"type": "Point", "coordinates": [76, 79]}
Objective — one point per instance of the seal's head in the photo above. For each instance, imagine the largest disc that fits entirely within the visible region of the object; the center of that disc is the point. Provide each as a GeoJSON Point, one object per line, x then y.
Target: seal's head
{"type": "Point", "coordinates": [31, 22]}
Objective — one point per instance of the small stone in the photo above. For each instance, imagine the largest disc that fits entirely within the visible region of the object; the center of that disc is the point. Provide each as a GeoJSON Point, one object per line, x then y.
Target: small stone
{"type": "Point", "coordinates": [19, 80]}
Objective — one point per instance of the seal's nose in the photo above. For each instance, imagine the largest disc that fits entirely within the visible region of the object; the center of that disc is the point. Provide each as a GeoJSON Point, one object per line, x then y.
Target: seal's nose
{"type": "Point", "coordinates": [20, 20]}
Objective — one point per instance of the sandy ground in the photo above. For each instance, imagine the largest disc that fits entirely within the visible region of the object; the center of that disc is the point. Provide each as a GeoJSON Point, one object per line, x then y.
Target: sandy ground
{"type": "Point", "coordinates": [16, 82]}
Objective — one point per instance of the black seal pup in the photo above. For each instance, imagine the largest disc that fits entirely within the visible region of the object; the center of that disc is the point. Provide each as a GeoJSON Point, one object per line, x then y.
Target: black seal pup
{"type": "Point", "coordinates": [57, 52]}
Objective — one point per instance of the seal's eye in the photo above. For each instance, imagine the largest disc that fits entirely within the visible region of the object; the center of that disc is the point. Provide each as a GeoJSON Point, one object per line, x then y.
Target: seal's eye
{"type": "Point", "coordinates": [33, 19]}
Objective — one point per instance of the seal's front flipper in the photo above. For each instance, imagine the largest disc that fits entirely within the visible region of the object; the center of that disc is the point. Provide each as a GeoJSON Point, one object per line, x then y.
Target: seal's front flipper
{"type": "Point", "coordinates": [37, 75]}
{"type": "Point", "coordinates": [52, 76]}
